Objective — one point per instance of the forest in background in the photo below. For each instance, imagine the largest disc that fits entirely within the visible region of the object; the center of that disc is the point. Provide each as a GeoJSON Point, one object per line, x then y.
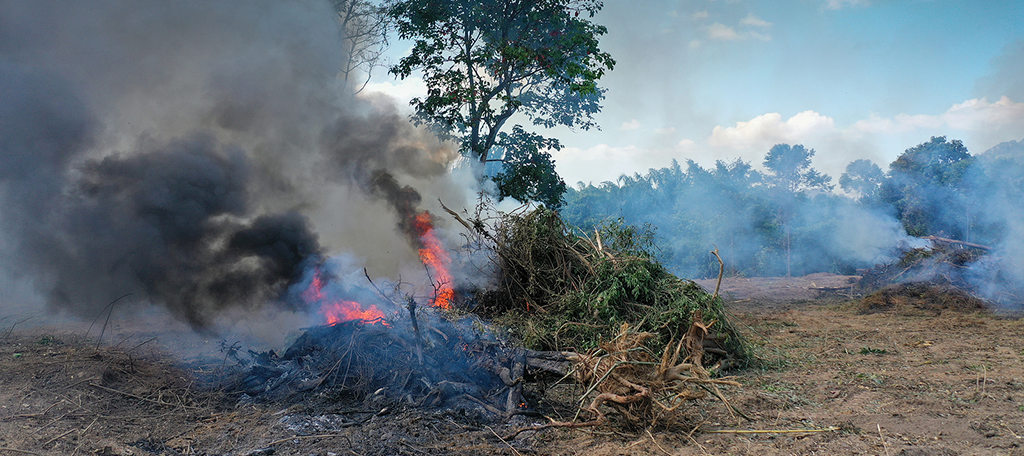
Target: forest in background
{"type": "Point", "coordinates": [790, 219]}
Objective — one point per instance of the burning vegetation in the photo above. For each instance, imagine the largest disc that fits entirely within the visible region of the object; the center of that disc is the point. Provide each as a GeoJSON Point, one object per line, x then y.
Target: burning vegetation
{"type": "Point", "coordinates": [596, 311]}
{"type": "Point", "coordinates": [942, 276]}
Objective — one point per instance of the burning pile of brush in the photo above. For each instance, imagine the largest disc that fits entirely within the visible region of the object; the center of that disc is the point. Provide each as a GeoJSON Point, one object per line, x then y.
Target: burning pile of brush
{"type": "Point", "coordinates": [424, 352]}
{"type": "Point", "coordinates": [417, 352]}
{"type": "Point", "coordinates": [948, 274]}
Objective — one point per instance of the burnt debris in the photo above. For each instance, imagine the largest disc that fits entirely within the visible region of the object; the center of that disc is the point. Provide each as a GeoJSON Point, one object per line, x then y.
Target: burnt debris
{"type": "Point", "coordinates": [458, 364]}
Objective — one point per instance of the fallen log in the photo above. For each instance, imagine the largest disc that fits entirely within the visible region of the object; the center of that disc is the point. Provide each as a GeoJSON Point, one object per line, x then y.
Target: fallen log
{"type": "Point", "coordinates": [553, 362]}
{"type": "Point", "coordinates": [943, 240]}
{"type": "Point", "coordinates": [514, 403]}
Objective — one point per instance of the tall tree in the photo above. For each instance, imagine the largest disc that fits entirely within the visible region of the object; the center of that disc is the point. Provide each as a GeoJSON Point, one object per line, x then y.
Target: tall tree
{"type": "Point", "coordinates": [789, 168]}
{"type": "Point", "coordinates": [926, 186]}
{"type": "Point", "coordinates": [365, 29]}
{"type": "Point", "coordinates": [485, 61]}
{"type": "Point", "coordinates": [863, 178]}
{"type": "Point", "coordinates": [791, 176]}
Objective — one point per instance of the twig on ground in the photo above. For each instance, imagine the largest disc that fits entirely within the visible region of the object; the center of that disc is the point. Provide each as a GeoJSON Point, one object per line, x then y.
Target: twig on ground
{"type": "Point", "coordinates": [880, 436]}
{"type": "Point", "coordinates": [59, 436]}
{"type": "Point", "coordinates": [702, 449]}
{"type": "Point", "coordinates": [318, 436]}
{"type": "Point", "coordinates": [770, 431]}
{"type": "Point", "coordinates": [663, 450]}
{"type": "Point", "coordinates": [83, 431]}
{"type": "Point", "coordinates": [141, 344]}
{"type": "Point", "coordinates": [111, 307]}
{"type": "Point", "coordinates": [555, 424]}
{"type": "Point", "coordinates": [168, 404]}
{"type": "Point", "coordinates": [50, 423]}
{"type": "Point", "coordinates": [33, 415]}
{"type": "Point", "coordinates": [11, 330]}
{"type": "Point", "coordinates": [15, 450]}
{"type": "Point", "coordinates": [514, 450]}
{"type": "Point", "coordinates": [721, 272]}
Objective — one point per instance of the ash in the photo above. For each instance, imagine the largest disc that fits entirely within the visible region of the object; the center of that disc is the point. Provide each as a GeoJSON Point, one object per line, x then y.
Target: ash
{"type": "Point", "coordinates": [457, 364]}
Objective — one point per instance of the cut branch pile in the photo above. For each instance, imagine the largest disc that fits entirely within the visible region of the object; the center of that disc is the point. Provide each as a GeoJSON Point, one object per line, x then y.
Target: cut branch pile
{"type": "Point", "coordinates": [950, 275]}
{"type": "Point", "coordinates": [645, 390]}
{"type": "Point", "coordinates": [623, 378]}
{"type": "Point", "coordinates": [945, 262]}
{"type": "Point", "coordinates": [561, 290]}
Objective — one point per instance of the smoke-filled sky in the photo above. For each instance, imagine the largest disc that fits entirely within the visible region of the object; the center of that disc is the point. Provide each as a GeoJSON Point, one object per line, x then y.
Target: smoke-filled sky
{"type": "Point", "coordinates": [716, 79]}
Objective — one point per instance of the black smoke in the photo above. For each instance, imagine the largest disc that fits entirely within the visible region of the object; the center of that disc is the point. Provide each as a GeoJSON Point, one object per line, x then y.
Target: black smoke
{"type": "Point", "coordinates": [185, 152]}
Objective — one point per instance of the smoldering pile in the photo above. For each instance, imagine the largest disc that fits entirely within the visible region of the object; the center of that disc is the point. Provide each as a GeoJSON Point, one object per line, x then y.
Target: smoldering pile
{"type": "Point", "coordinates": [420, 357]}
{"type": "Point", "coordinates": [946, 275]}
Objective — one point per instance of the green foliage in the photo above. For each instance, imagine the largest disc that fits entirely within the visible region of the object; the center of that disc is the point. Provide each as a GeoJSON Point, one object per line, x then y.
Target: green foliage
{"type": "Point", "coordinates": [561, 289]}
{"type": "Point", "coordinates": [790, 169]}
{"type": "Point", "coordinates": [529, 172]}
{"type": "Point", "coordinates": [926, 187]}
{"type": "Point", "coordinates": [937, 162]}
{"type": "Point", "coordinates": [863, 178]}
{"type": "Point", "coordinates": [482, 62]}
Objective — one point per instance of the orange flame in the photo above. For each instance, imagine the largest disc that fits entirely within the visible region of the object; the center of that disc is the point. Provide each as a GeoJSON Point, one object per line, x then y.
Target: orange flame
{"type": "Point", "coordinates": [340, 310]}
{"type": "Point", "coordinates": [434, 255]}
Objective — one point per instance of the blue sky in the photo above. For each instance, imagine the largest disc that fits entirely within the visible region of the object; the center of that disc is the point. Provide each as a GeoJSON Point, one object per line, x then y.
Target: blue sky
{"type": "Point", "coordinates": [727, 79]}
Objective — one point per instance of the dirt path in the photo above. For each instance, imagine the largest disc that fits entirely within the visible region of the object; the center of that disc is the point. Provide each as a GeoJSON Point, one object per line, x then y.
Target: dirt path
{"type": "Point", "coordinates": [834, 382]}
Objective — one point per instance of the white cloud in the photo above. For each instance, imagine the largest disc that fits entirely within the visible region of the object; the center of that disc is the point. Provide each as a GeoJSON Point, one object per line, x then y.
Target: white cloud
{"type": "Point", "coordinates": [700, 15]}
{"type": "Point", "coordinates": [631, 125]}
{"type": "Point", "coordinates": [402, 91]}
{"type": "Point", "coordinates": [755, 21]}
{"type": "Point", "coordinates": [719, 31]}
{"type": "Point", "coordinates": [760, 36]}
{"type": "Point", "coordinates": [606, 163]}
{"type": "Point", "coordinates": [771, 129]}
{"type": "Point", "coordinates": [979, 123]}
{"type": "Point", "coordinates": [974, 115]}
{"type": "Point", "coordinates": [840, 4]}
{"type": "Point", "coordinates": [979, 114]}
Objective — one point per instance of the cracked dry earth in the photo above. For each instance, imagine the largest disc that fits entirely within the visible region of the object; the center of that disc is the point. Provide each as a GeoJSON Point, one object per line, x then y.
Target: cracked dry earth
{"type": "Point", "coordinates": [833, 382]}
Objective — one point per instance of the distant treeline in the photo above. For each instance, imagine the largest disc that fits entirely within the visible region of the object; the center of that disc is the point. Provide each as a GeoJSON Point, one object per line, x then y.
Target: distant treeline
{"type": "Point", "coordinates": [789, 219]}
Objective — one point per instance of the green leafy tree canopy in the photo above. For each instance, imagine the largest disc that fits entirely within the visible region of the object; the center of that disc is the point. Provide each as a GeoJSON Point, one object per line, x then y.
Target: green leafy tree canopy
{"type": "Point", "coordinates": [863, 178]}
{"type": "Point", "coordinates": [485, 61]}
{"type": "Point", "coordinates": [927, 188]}
{"type": "Point", "coordinates": [790, 168]}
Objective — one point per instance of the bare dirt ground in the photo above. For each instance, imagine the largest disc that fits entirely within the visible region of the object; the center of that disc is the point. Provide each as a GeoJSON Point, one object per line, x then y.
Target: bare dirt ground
{"type": "Point", "coordinates": [832, 381]}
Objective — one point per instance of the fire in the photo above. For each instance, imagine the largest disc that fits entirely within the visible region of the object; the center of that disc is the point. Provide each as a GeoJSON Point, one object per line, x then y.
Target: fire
{"type": "Point", "coordinates": [342, 310]}
{"type": "Point", "coordinates": [434, 255]}
{"type": "Point", "coordinates": [339, 310]}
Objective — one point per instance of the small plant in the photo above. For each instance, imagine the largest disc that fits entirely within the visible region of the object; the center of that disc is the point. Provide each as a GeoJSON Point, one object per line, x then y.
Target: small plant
{"type": "Point", "coordinates": [874, 378]}
{"type": "Point", "coordinates": [872, 351]}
